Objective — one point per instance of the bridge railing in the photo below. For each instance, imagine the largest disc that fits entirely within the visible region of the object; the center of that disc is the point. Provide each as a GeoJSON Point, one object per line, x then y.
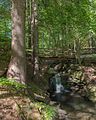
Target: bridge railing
{"type": "Point", "coordinates": [55, 52]}
{"type": "Point", "coordinates": [58, 52]}
{"type": "Point", "coordinates": [88, 51]}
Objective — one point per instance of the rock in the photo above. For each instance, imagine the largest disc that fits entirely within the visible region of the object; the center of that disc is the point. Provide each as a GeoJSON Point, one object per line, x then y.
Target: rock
{"type": "Point", "coordinates": [83, 116]}
{"type": "Point", "coordinates": [91, 92]}
{"type": "Point", "coordinates": [90, 79]}
{"type": "Point", "coordinates": [62, 114]}
{"type": "Point", "coordinates": [34, 115]}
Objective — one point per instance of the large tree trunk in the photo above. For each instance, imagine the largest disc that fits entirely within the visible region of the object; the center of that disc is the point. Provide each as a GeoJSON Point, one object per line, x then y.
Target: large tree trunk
{"type": "Point", "coordinates": [17, 66]}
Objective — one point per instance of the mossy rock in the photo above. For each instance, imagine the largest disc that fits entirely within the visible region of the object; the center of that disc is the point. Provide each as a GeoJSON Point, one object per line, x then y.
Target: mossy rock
{"type": "Point", "coordinates": [77, 76]}
{"type": "Point", "coordinates": [91, 92]}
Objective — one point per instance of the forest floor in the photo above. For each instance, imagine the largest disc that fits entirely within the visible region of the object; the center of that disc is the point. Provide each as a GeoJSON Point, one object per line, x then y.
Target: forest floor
{"type": "Point", "coordinates": [8, 107]}
{"type": "Point", "coordinates": [18, 107]}
{"type": "Point", "coordinates": [14, 106]}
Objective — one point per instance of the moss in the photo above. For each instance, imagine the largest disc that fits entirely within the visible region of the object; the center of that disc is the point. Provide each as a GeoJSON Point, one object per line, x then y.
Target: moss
{"type": "Point", "coordinates": [48, 112]}
{"type": "Point", "coordinates": [91, 92]}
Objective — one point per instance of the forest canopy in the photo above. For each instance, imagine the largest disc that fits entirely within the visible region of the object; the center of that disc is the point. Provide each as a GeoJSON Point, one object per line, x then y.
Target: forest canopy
{"type": "Point", "coordinates": [59, 22]}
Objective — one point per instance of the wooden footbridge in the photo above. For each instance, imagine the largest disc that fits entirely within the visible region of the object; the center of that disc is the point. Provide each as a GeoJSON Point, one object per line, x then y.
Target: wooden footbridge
{"type": "Point", "coordinates": [86, 54]}
{"type": "Point", "coordinates": [45, 52]}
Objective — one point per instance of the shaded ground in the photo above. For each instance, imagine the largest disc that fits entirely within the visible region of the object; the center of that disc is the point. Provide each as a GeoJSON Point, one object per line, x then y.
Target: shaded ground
{"type": "Point", "coordinates": [7, 106]}
{"type": "Point", "coordinates": [76, 108]}
{"type": "Point", "coordinates": [17, 107]}
{"type": "Point", "coordinates": [22, 108]}
{"type": "Point", "coordinates": [79, 109]}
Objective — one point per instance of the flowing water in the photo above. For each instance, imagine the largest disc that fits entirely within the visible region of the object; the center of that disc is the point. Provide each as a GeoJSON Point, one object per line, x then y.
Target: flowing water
{"type": "Point", "coordinates": [76, 108]}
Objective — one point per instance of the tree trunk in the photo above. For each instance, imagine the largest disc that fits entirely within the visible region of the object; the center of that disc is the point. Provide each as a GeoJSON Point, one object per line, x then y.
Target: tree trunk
{"type": "Point", "coordinates": [34, 30]}
{"type": "Point", "coordinates": [17, 66]}
{"type": "Point", "coordinates": [28, 22]}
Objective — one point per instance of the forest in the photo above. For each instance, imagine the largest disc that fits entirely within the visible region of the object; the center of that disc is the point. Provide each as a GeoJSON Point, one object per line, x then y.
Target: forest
{"type": "Point", "coordinates": [47, 59]}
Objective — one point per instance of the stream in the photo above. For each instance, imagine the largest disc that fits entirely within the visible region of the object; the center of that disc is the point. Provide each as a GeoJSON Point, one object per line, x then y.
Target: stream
{"type": "Point", "coordinates": [76, 108]}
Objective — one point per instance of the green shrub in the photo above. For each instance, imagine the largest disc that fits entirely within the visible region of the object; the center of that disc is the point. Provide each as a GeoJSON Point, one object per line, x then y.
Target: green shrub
{"type": "Point", "coordinates": [48, 112]}
{"type": "Point", "coordinates": [11, 84]}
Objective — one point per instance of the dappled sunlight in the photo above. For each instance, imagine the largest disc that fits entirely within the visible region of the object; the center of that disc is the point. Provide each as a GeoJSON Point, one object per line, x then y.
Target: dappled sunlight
{"type": "Point", "coordinates": [48, 69]}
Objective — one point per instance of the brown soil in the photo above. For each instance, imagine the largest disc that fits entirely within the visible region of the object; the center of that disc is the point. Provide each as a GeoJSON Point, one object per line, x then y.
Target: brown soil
{"type": "Point", "coordinates": [14, 107]}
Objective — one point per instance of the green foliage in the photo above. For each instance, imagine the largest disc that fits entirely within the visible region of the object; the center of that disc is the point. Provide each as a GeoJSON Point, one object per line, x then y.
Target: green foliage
{"type": "Point", "coordinates": [47, 111]}
{"type": "Point", "coordinates": [59, 22]}
{"type": "Point", "coordinates": [5, 33]}
{"type": "Point", "coordinates": [11, 84]}
{"type": "Point", "coordinates": [5, 20]}
{"type": "Point", "coordinates": [62, 22]}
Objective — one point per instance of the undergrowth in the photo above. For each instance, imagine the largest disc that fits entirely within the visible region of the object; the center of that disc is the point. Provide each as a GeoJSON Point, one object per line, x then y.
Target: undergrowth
{"type": "Point", "coordinates": [47, 112]}
{"type": "Point", "coordinates": [12, 86]}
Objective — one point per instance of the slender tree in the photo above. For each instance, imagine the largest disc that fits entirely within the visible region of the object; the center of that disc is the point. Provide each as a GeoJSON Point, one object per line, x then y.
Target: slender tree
{"type": "Point", "coordinates": [34, 31]}
{"type": "Point", "coordinates": [17, 66]}
{"type": "Point", "coordinates": [28, 22]}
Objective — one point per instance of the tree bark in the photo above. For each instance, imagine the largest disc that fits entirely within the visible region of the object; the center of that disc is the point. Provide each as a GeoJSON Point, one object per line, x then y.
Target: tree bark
{"type": "Point", "coordinates": [28, 22]}
{"type": "Point", "coordinates": [17, 66]}
{"type": "Point", "coordinates": [34, 30]}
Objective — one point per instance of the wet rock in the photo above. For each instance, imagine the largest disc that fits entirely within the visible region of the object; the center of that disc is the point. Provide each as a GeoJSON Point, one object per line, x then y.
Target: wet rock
{"type": "Point", "coordinates": [76, 102]}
